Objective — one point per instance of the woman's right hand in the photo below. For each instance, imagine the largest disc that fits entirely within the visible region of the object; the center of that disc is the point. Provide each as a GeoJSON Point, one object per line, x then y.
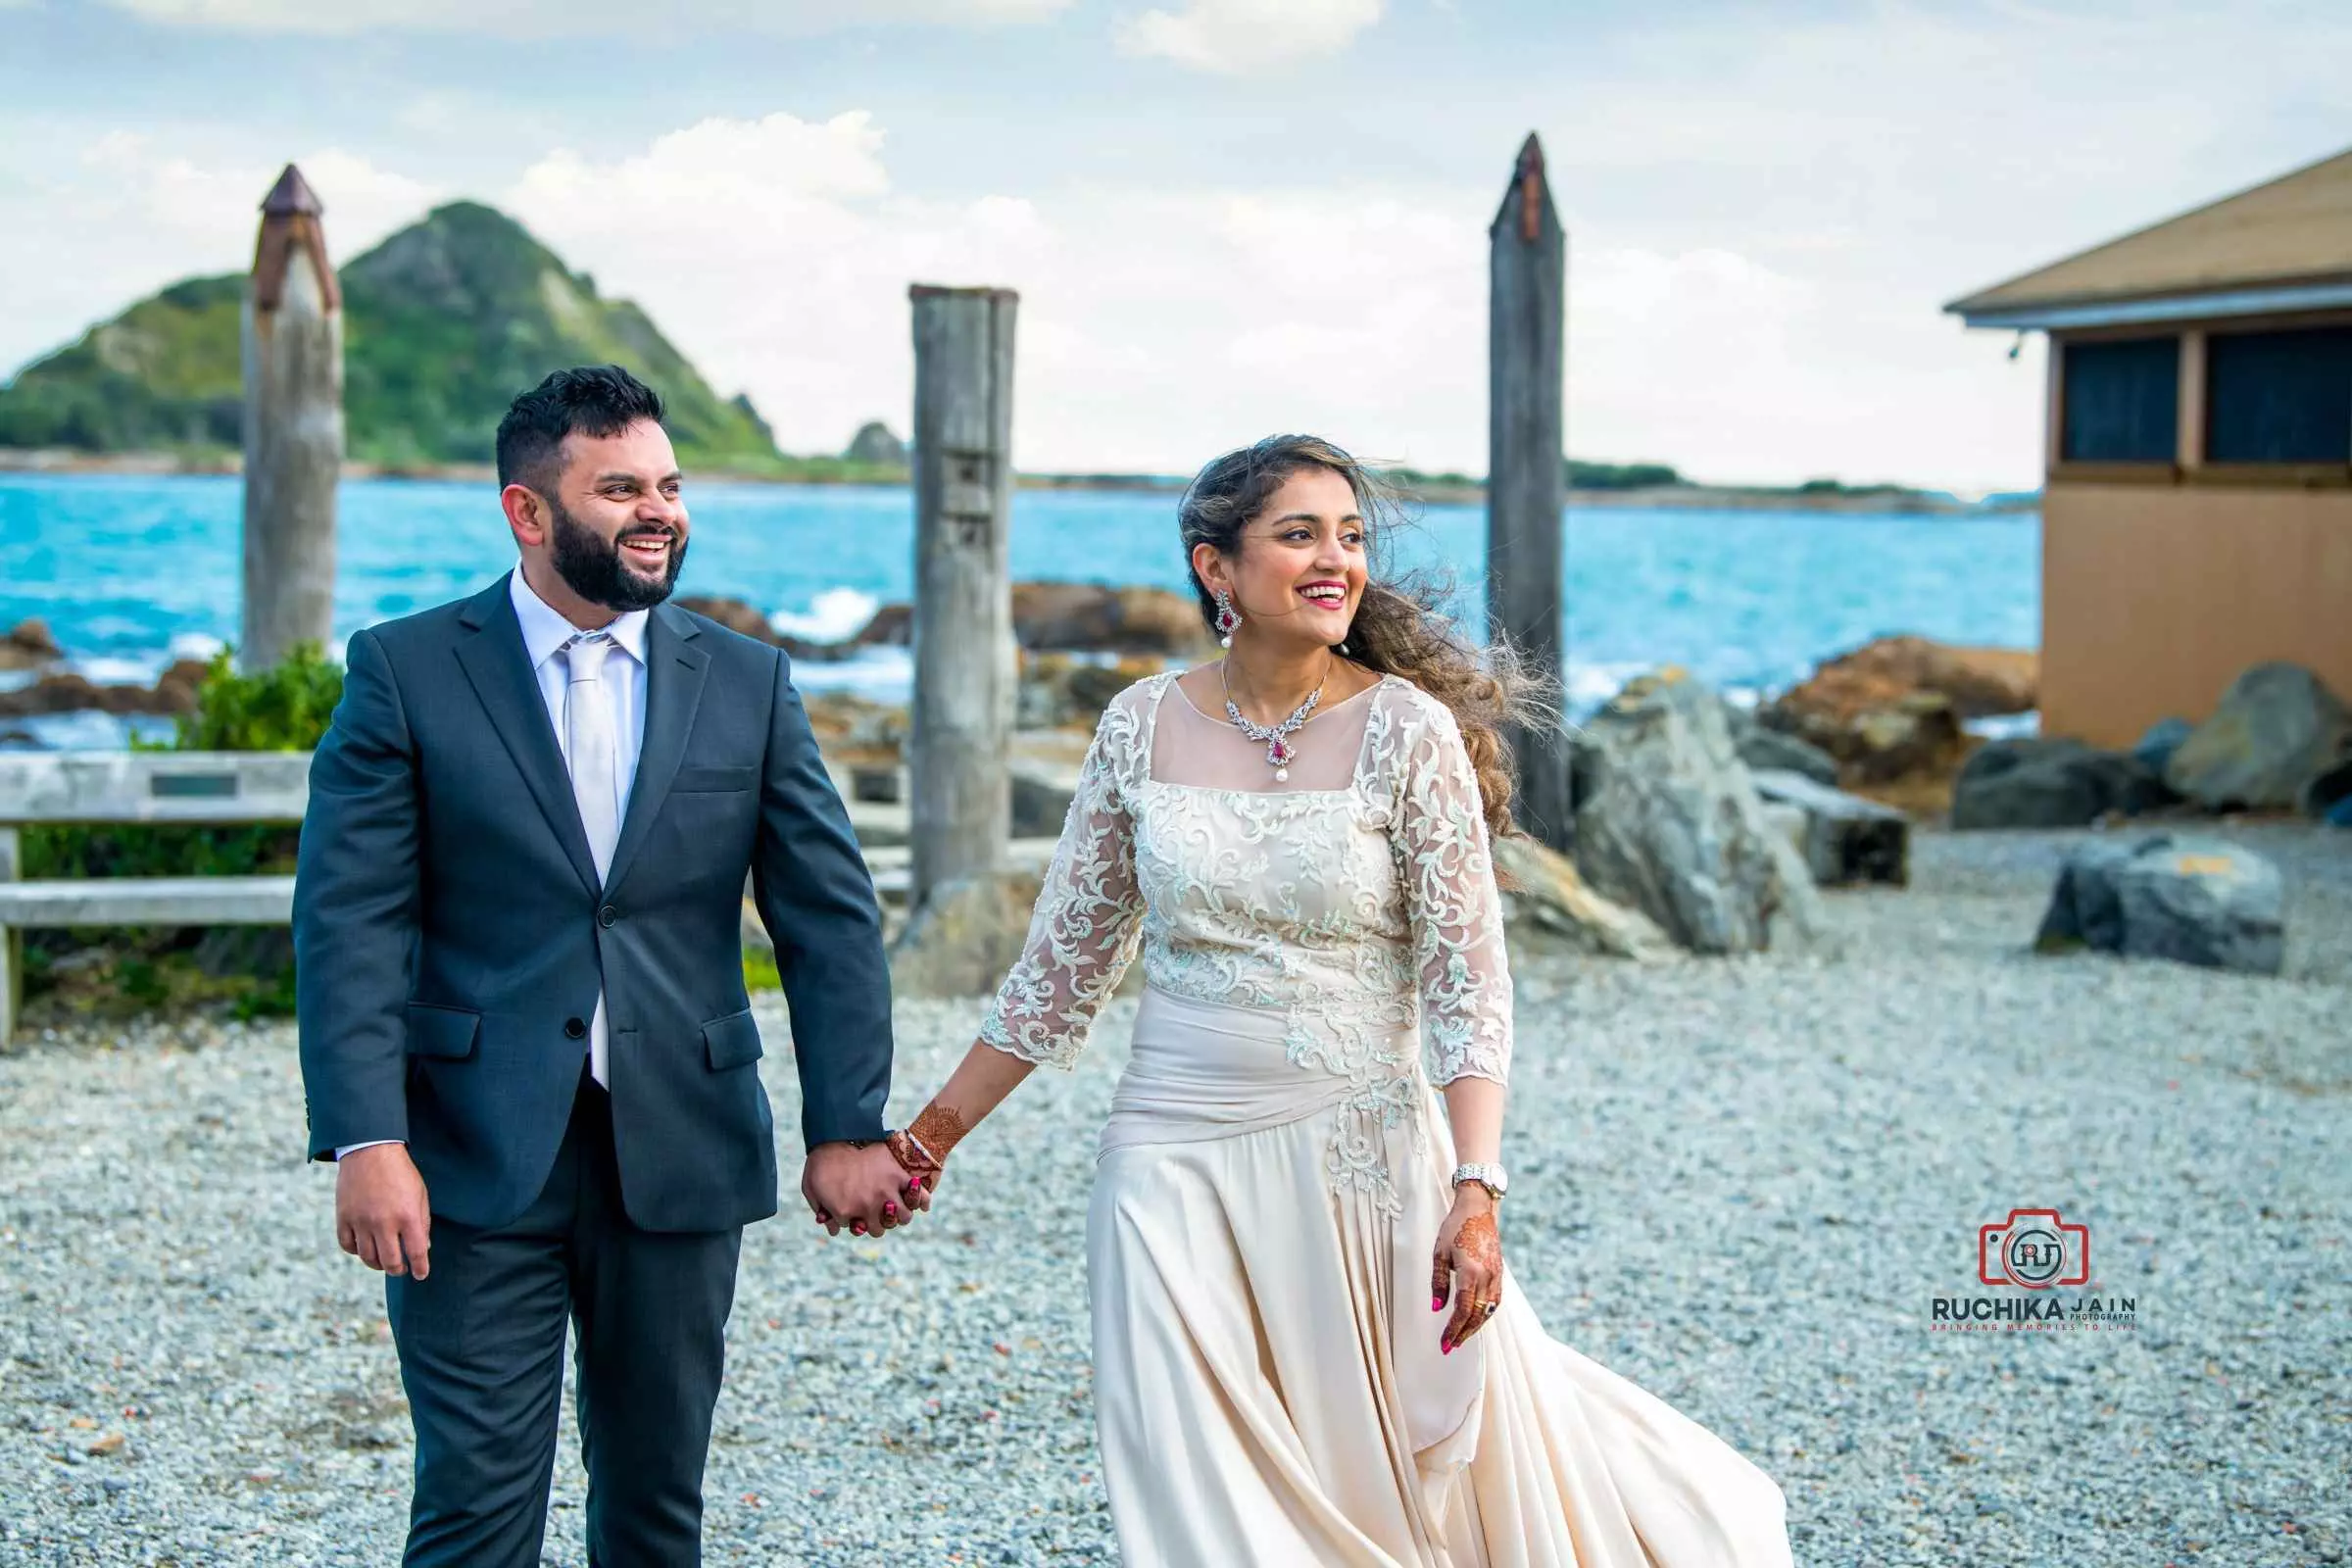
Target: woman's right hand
{"type": "Point", "coordinates": [922, 1150]}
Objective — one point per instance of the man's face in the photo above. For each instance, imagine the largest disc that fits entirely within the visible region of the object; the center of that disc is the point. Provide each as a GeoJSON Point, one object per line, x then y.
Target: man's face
{"type": "Point", "coordinates": [618, 528]}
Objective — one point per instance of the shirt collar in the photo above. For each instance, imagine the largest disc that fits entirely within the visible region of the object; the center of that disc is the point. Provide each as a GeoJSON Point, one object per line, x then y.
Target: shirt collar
{"type": "Point", "coordinates": [545, 632]}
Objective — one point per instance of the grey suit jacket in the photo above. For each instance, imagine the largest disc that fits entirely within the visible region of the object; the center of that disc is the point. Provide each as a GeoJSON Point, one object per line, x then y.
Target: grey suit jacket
{"type": "Point", "coordinates": [450, 930]}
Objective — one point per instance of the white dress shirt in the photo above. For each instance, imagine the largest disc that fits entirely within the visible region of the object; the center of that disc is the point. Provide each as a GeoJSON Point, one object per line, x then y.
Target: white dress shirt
{"type": "Point", "coordinates": [545, 633]}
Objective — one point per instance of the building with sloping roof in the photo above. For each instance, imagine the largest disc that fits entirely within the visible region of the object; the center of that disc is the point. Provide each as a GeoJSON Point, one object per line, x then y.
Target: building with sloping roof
{"type": "Point", "coordinates": [2197, 496]}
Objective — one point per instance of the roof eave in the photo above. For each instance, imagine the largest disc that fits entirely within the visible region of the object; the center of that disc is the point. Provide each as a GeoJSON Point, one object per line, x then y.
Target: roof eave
{"type": "Point", "coordinates": [2247, 299]}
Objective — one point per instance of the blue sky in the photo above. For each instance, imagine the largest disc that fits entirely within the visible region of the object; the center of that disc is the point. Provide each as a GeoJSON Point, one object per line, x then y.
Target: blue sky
{"type": "Point", "coordinates": [1224, 215]}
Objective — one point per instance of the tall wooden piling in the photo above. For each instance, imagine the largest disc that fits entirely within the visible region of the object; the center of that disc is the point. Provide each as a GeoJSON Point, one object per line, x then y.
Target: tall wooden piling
{"type": "Point", "coordinates": [293, 349]}
{"type": "Point", "coordinates": [963, 645]}
{"type": "Point", "coordinates": [1527, 470]}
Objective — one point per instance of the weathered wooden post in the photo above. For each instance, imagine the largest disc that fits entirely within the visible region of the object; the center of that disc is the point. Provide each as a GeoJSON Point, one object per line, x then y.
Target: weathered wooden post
{"type": "Point", "coordinates": [964, 649]}
{"type": "Point", "coordinates": [293, 343]}
{"type": "Point", "coordinates": [1527, 470]}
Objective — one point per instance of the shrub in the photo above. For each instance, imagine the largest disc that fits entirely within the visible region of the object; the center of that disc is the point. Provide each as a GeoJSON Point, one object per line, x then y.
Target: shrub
{"type": "Point", "coordinates": [282, 709]}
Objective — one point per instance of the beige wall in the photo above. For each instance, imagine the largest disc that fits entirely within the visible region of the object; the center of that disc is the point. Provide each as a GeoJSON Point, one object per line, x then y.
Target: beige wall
{"type": "Point", "coordinates": [2155, 597]}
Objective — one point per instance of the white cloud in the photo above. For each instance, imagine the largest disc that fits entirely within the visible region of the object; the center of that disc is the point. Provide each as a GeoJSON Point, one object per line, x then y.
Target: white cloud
{"type": "Point", "coordinates": [144, 214]}
{"type": "Point", "coordinates": [1157, 328]}
{"type": "Point", "coordinates": [1236, 37]}
{"type": "Point", "coordinates": [541, 18]}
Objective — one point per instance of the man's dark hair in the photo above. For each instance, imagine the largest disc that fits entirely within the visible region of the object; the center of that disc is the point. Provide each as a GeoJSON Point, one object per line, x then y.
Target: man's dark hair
{"type": "Point", "coordinates": [597, 400]}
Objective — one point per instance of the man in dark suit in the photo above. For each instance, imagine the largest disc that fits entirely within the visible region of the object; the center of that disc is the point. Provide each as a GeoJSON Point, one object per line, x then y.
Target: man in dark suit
{"type": "Point", "coordinates": [525, 1039]}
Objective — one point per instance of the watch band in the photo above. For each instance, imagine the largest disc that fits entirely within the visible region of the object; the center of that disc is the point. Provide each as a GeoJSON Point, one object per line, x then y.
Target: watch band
{"type": "Point", "coordinates": [1489, 1176]}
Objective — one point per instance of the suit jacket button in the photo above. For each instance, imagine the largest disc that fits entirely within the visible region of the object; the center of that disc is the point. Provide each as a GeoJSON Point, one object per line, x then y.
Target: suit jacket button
{"type": "Point", "coordinates": [575, 1028]}
{"type": "Point", "coordinates": [606, 916]}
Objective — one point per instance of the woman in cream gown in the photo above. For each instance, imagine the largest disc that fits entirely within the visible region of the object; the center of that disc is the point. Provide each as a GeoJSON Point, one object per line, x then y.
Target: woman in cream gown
{"type": "Point", "coordinates": [1272, 1383]}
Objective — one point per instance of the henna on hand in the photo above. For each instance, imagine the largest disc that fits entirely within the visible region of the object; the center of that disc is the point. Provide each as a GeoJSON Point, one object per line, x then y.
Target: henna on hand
{"type": "Point", "coordinates": [1476, 1255]}
{"type": "Point", "coordinates": [922, 1149]}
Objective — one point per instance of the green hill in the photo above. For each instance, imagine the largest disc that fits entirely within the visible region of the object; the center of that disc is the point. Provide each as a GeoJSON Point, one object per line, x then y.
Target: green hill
{"type": "Point", "coordinates": [444, 322]}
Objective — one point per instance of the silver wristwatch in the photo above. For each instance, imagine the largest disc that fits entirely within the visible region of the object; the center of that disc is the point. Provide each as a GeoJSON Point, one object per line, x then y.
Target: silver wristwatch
{"type": "Point", "coordinates": [1491, 1177]}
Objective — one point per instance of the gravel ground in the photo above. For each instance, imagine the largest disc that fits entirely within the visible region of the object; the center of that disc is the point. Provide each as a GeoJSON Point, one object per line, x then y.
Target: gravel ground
{"type": "Point", "coordinates": [1740, 1184]}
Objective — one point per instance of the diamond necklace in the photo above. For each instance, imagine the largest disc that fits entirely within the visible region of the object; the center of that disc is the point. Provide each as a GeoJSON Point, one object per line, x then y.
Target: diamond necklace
{"type": "Point", "coordinates": [1275, 736]}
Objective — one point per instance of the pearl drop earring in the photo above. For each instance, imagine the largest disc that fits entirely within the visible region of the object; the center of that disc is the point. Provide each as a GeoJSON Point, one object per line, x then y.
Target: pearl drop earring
{"type": "Point", "coordinates": [1228, 618]}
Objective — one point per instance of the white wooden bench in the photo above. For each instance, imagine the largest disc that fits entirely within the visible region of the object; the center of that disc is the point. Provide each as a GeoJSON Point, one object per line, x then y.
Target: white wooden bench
{"type": "Point", "coordinates": [116, 788]}
{"type": "Point", "coordinates": [224, 789]}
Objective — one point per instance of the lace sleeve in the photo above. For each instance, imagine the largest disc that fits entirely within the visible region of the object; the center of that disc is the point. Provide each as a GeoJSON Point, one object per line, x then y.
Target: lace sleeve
{"type": "Point", "coordinates": [1089, 913]}
{"type": "Point", "coordinates": [1455, 911]}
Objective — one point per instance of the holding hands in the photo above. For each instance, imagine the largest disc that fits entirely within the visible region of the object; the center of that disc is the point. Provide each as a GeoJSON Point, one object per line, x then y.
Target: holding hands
{"type": "Point", "coordinates": [872, 1188]}
{"type": "Point", "coordinates": [857, 1187]}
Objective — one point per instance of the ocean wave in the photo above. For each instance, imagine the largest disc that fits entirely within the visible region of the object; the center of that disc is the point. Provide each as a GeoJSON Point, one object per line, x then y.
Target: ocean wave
{"type": "Point", "coordinates": [884, 675]}
{"type": "Point", "coordinates": [834, 616]}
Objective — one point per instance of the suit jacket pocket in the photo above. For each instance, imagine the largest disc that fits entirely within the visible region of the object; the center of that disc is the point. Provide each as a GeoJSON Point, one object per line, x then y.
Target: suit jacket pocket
{"type": "Point", "coordinates": [445, 1032]}
{"type": "Point", "coordinates": [732, 1040]}
{"type": "Point", "coordinates": [713, 780]}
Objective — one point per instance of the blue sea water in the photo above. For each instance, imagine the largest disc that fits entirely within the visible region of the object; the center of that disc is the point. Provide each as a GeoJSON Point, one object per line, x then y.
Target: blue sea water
{"type": "Point", "coordinates": [131, 572]}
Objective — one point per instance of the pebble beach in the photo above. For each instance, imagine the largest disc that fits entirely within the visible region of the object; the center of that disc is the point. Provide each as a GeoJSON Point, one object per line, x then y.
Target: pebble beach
{"type": "Point", "coordinates": [1741, 1183]}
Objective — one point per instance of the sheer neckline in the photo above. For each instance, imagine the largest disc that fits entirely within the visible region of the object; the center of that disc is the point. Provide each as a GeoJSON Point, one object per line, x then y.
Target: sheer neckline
{"type": "Point", "coordinates": [1177, 681]}
{"type": "Point", "coordinates": [1172, 682]}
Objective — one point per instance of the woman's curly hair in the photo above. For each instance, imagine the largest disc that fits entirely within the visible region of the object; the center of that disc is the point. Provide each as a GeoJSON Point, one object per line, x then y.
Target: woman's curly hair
{"type": "Point", "coordinates": [1399, 628]}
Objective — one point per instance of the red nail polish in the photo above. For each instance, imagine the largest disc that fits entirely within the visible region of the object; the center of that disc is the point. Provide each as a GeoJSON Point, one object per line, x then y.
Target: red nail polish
{"type": "Point", "coordinates": [1449, 1347]}
{"type": "Point", "coordinates": [1437, 1303]}
{"type": "Point", "coordinates": [891, 1210]}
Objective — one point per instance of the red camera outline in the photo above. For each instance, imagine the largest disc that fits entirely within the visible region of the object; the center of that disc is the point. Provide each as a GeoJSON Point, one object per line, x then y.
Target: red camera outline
{"type": "Point", "coordinates": [1986, 1233]}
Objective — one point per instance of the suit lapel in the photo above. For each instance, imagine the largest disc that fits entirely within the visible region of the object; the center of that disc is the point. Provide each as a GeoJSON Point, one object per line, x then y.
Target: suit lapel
{"type": "Point", "coordinates": [674, 670]}
{"type": "Point", "coordinates": [495, 662]}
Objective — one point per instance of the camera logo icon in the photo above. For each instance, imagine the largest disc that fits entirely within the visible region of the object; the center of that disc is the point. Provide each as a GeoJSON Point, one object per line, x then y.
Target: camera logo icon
{"type": "Point", "coordinates": [2034, 1248]}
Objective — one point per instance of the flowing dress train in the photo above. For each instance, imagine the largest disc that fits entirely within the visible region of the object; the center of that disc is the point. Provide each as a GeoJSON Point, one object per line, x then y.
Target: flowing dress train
{"type": "Point", "coordinates": [1272, 1176]}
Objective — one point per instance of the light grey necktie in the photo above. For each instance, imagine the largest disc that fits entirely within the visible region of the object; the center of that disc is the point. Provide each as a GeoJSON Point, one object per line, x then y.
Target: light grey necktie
{"type": "Point", "coordinates": [591, 749]}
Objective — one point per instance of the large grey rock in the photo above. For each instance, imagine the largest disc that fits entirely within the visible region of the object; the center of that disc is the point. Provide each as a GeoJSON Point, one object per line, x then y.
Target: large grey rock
{"type": "Point", "coordinates": [2161, 739]}
{"type": "Point", "coordinates": [2045, 783]}
{"type": "Point", "coordinates": [1040, 798]}
{"type": "Point", "coordinates": [2277, 725]}
{"type": "Point", "coordinates": [1761, 749]}
{"type": "Point", "coordinates": [1668, 822]}
{"type": "Point", "coordinates": [1843, 838]}
{"type": "Point", "coordinates": [964, 938]}
{"type": "Point", "coordinates": [1544, 897]}
{"type": "Point", "coordinates": [2170, 896]}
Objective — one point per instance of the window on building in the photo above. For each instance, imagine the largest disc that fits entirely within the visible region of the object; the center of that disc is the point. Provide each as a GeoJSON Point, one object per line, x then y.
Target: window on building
{"type": "Point", "coordinates": [2279, 397]}
{"type": "Point", "coordinates": [2121, 401]}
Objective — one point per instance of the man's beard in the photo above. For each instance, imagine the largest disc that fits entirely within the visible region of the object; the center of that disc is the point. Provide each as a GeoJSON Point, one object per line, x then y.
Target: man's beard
{"type": "Point", "coordinates": [593, 568]}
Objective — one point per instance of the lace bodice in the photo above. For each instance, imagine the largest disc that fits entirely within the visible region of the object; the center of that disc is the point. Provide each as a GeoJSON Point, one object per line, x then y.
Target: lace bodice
{"type": "Point", "coordinates": [1354, 910]}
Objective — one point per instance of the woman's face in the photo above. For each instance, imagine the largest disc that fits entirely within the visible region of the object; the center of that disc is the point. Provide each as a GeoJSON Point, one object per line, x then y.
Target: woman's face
{"type": "Point", "coordinates": [1298, 572]}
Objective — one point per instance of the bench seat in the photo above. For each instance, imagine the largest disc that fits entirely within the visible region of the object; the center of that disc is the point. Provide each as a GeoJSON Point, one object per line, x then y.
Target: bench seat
{"type": "Point", "coordinates": [150, 901]}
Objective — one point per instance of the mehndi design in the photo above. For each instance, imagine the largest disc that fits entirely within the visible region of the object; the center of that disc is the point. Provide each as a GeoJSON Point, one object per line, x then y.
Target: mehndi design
{"type": "Point", "coordinates": [922, 1148]}
{"type": "Point", "coordinates": [1480, 1243]}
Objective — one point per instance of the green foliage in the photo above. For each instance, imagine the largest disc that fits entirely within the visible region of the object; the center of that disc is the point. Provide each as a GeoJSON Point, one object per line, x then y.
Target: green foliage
{"type": "Point", "coordinates": [1584, 475]}
{"type": "Point", "coordinates": [283, 709]}
{"type": "Point", "coordinates": [443, 325]}
{"type": "Point", "coordinates": [760, 971]}
{"type": "Point", "coordinates": [280, 709]}
{"type": "Point", "coordinates": [1580, 475]}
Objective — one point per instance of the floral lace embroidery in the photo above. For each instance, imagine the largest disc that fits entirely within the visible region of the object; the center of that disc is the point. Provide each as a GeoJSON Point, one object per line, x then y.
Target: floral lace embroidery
{"type": "Point", "coordinates": [1356, 913]}
{"type": "Point", "coordinates": [1083, 934]}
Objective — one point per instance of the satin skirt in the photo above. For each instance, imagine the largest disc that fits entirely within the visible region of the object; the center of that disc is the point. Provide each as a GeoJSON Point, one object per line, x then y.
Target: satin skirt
{"type": "Point", "coordinates": [1268, 1385]}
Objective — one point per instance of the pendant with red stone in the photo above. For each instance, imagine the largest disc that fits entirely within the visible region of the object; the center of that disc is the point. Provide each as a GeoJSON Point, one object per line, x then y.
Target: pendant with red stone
{"type": "Point", "coordinates": [1278, 752]}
